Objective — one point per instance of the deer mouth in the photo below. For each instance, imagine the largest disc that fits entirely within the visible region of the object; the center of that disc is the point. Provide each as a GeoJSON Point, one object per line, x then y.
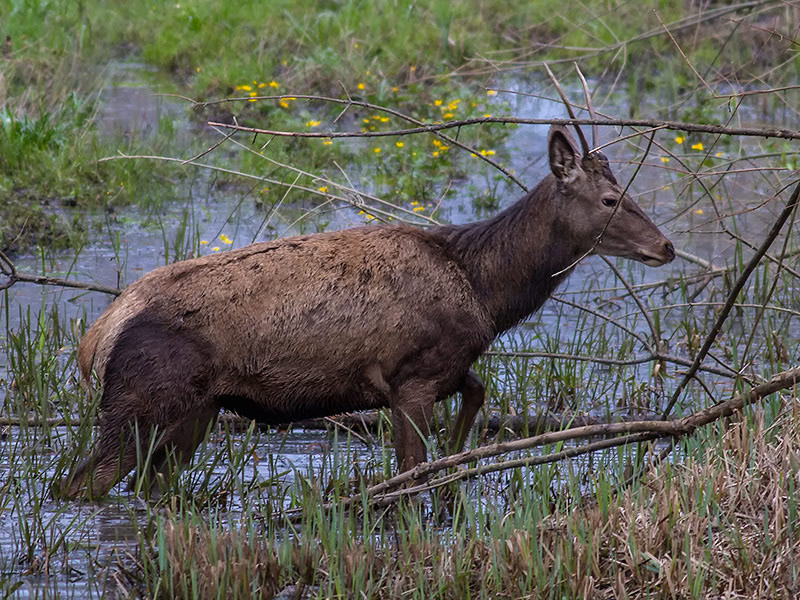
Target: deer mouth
{"type": "Point", "coordinates": [652, 260]}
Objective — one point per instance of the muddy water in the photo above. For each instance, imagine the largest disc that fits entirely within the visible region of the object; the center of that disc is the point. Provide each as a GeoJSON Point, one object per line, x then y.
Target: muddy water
{"type": "Point", "coordinates": [133, 244]}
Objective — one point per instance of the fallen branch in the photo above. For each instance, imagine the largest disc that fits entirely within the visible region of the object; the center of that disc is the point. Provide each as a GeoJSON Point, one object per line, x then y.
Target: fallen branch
{"type": "Point", "coordinates": [381, 494]}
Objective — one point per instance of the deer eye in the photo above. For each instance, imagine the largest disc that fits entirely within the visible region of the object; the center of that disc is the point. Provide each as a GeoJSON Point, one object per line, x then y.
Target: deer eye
{"type": "Point", "coordinates": [610, 200]}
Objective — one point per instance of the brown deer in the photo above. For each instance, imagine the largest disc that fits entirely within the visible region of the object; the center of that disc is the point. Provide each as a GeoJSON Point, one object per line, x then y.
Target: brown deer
{"type": "Point", "coordinates": [363, 318]}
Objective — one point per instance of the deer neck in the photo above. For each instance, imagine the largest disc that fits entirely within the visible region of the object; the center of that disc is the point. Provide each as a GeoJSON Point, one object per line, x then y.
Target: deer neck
{"type": "Point", "coordinates": [516, 259]}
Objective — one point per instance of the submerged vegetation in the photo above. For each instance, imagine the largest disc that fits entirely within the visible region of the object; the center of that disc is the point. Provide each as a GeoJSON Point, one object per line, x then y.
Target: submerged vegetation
{"type": "Point", "coordinates": [293, 514]}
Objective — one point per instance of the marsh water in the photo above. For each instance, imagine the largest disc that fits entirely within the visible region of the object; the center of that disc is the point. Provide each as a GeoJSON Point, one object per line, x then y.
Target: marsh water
{"type": "Point", "coordinates": [133, 240]}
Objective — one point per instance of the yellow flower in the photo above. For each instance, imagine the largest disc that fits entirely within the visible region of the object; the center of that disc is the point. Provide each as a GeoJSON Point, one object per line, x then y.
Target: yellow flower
{"type": "Point", "coordinates": [436, 153]}
{"type": "Point", "coordinates": [395, 89]}
{"type": "Point", "coordinates": [355, 45]}
{"type": "Point", "coordinates": [361, 86]}
{"type": "Point", "coordinates": [365, 120]}
{"type": "Point", "coordinates": [414, 203]}
{"type": "Point", "coordinates": [698, 146]}
{"type": "Point", "coordinates": [284, 104]}
{"type": "Point", "coordinates": [436, 143]}
{"type": "Point", "coordinates": [327, 141]}
{"type": "Point", "coordinates": [447, 115]}
{"type": "Point", "coordinates": [665, 159]}
{"type": "Point", "coordinates": [290, 98]}
{"type": "Point", "coordinates": [252, 96]}
{"type": "Point", "coordinates": [699, 211]}
{"type": "Point", "coordinates": [262, 85]}
{"type": "Point", "coordinates": [487, 115]}
{"type": "Point", "coordinates": [419, 208]}
{"type": "Point", "coordinates": [243, 88]}
{"type": "Point", "coordinates": [225, 239]}
{"type": "Point", "coordinates": [413, 68]}
{"type": "Point", "coordinates": [367, 73]}
{"type": "Point", "coordinates": [384, 119]}
{"type": "Point", "coordinates": [313, 123]}
{"type": "Point", "coordinates": [323, 188]}
{"type": "Point", "coordinates": [437, 102]}
{"type": "Point", "coordinates": [203, 242]}
{"type": "Point", "coordinates": [679, 139]}
{"type": "Point", "coordinates": [197, 69]}
{"type": "Point", "coordinates": [487, 152]}
{"type": "Point", "coordinates": [215, 248]}
{"type": "Point", "coordinates": [376, 150]}
{"type": "Point", "coordinates": [719, 155]}
{"type": "Point", "coordinates": [491, 92]}
{"type": "Point", "coordinates": [273, 84]}
{"type": "Point", "coordinates": [399, 144]}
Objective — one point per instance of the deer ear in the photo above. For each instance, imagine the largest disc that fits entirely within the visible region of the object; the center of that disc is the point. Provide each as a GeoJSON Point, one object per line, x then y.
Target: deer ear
{"type": "Point", "coordinates": [564, 161]}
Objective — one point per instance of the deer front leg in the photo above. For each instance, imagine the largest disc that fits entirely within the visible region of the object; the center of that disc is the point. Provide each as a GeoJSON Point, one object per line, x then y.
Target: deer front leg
{"type": "Point", "coordinates": [412, 411]}
{"type": "Point", "coordinates": [472, 397]}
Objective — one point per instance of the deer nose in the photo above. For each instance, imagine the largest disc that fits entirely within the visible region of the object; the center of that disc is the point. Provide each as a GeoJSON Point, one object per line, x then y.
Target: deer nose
{"type": "Point", "coordinates": [669, 250]}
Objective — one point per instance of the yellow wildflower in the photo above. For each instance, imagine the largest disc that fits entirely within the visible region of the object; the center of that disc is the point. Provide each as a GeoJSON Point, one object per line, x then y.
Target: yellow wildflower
{"type": "Point", "coordinates": [395, 89]}
{"type": "Point", "coordinates": [414, 203]}
{"type": "Point", "coordinates": [327, 141]}
{"type": "Point", "coordinates": [437, 143]}
{"type": "Point", "coordinates": [437, 102]}
{"type": "Point", "coordinates": [399, 144]}
{"type": "Point", "coordinates": [284, 104]}
{"type": "Point", "coordinates": [487, 115]}
{"type": "Point", "coordinates": [262, 85]}
{"type": "Point", "coordinates": [384, 119]}
{"type": "Point", "coordinates": [419, 208]}
{"type": "Point", "coordinates": [699, 211]}
{"type": "Point", "coordinates": [491, 92]}
{"type": "Point", "coordinates": [323, 188]}
{"type": "Point", "coordinates": [447, 115]}
{"type": "Point", "coordinates": [698, 146]}
{"type": "Point", "coordinates": [361, 86]}
{"type": "Point", "coordinates": [203, 242]}
{"type": "Point", "coordinates": [436, 153]}
{"type": "Point", "coordinates": [376, 150]}
{"type": "Point", "coordinates": [243, 88]}
{"type": "Point", "coordinates": [215, 249]}
{"type": "Point", "coordinates": [719, 155]}
{"type": "Point", "coordinates": [365, 120]}
{"type": "Point", "coordinates": [273, 84]}
{"type": "Point", "coordinates": [312, 123]}
{"type": "Point", "coordinates": [225, 239]}
{"type": "Point", "coordinates": [679, 139]}
{"type": "Point", "coordinates": [665, 159]}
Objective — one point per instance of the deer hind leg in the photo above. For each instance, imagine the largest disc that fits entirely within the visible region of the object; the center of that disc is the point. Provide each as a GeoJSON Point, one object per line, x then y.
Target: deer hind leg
{"type": "Point", "coordinates": [155, 384]}
{"type": "Point", "coordinates": [412, 411]}
{"type": "Point", "coordinates": [473, 394]}
{"type": "Point", "coordinates": [177, 446]}
{"type": "Point", "coordinates": [115, 449]}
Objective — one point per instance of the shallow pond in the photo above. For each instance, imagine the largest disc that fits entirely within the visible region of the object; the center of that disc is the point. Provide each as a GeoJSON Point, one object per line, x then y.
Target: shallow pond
{"type": "Point", "coordinates": [131, 243]}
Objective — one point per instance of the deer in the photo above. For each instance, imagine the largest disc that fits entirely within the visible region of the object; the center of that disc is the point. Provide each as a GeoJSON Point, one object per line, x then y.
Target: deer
{"type": "Point", "coordinates": [369, 317]}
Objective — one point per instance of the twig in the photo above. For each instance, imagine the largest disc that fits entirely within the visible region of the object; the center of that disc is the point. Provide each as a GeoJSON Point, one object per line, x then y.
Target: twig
{"type": "Point", "coordinates": [731, 299]}
{"type": "Point", "coordinates": [786, 134]}
{"type": "Point", "coordinates": [9, 270]}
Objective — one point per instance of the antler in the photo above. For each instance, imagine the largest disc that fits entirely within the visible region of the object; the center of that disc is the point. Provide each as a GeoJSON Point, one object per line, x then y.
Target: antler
{"type": "Point", "coordinates": [584, 144]}
{"type": "Point", "coordinates": [588, 104]}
